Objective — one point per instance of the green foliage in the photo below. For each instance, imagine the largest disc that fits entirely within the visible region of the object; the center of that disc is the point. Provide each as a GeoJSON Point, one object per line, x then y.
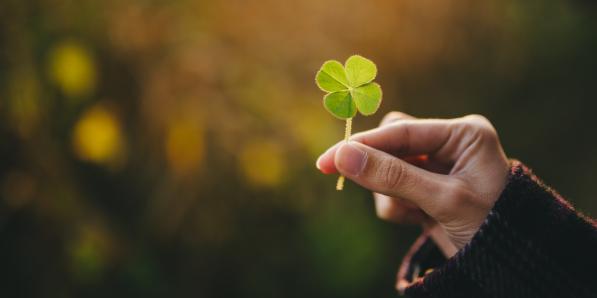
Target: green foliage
{"type": "Point", "coordinates": [350, 87]}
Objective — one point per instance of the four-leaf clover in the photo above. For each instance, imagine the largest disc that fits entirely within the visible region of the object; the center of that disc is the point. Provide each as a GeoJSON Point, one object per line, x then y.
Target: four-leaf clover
{"type": "Point", "coordinates": [350, 87]}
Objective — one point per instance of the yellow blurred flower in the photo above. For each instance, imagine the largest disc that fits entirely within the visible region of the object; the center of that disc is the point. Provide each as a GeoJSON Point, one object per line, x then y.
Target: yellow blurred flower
{"type": "Point", "coordinates": [262, 163]}
{"type": "Point", "coordinates": [184, 146]}
{"type": "Point", "coordinates": [97, 137]}
{"type": "Point", "coordinates": [72, 68]}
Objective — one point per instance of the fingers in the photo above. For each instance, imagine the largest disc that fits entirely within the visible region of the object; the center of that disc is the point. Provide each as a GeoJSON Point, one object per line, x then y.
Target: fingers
{"type": "Point", "coordinates": [386, 174]}
{"type": "Point", "coordinates": [397, 210]}
{"type": "Point", "coordinates": [406, 137]}
{"type": "Point", "coordinates": [393, 117]}
{"type": "Point", "coordinates": [327, 167]}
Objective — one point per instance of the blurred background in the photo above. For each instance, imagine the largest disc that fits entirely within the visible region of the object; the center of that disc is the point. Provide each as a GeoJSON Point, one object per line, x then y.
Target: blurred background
{"type": "Point", "coordinates": [167, 148]}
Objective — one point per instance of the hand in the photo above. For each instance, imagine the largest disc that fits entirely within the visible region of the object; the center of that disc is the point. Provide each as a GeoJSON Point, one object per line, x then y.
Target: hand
{"type": "Point", "coordinates": [444, 174]}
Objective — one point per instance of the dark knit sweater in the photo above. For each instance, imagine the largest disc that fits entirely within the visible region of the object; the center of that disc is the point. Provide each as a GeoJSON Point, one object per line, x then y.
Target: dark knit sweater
{"type": "Point", "coordinates": [532, 244]}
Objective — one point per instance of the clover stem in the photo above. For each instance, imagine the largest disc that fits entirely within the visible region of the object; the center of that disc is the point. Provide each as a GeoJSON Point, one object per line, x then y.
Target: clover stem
{"type": "Point", "coordinates": [348, 129]}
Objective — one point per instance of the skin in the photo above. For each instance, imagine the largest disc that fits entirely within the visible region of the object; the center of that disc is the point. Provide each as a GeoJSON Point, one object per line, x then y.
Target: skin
{"type": "Point", "coordinates": [444, 174]}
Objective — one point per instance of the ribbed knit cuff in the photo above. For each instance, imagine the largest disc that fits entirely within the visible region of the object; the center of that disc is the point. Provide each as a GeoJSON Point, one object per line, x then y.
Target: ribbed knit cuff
{"type": "Point", "coordinates": [532, 244]}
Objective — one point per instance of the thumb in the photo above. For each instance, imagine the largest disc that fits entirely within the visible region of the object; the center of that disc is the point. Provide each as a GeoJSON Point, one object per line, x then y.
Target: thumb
{"type": "Point", "coordinates": [386, 174]}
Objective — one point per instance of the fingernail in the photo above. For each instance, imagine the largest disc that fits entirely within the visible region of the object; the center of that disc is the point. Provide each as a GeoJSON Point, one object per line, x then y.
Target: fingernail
{"type": "Point", "coordinates": [351, 159]}
{"type": "Point", "coordinates": [317, 163]}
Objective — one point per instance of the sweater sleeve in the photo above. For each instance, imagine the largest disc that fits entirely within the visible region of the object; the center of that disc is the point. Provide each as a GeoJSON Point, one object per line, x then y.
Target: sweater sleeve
{"type": "Point", "coordinates": [532, 244]}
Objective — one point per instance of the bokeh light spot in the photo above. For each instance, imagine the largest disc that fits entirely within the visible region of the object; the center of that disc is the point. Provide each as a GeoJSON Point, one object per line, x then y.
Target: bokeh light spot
{"type": "Point", "coordinates": [97, 136]}
{"type": "Point", "coordinates": [184, 146]}
{"type": "Point", "coordinates": [263, 163]}
{"type": "Point", "coordinates": [72, 68]}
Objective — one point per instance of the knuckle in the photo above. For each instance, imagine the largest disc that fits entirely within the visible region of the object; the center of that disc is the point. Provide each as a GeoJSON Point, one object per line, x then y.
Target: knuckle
{"type": "Point", "coordinates": [479, 126]}
{"type": "Point", "coordinates": [391, 117]}
{"type": "Point", "coordinates": [475, 118]}
{"type": "Point", "coordinates": [391, 174]}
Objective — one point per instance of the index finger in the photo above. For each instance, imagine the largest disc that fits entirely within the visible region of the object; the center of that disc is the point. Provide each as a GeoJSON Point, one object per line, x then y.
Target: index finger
{"type": "Point", "coordinates": [401, 138]}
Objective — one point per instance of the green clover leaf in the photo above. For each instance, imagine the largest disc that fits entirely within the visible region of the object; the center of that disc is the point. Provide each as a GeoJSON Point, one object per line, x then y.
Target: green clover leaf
{"type": "Point", "coordinates": [340, 104]}
{"type": "Point", "coordinates": [349, 88]}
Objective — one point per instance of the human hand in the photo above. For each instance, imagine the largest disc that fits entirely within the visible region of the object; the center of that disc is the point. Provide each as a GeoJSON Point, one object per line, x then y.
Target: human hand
{"type": "Point", "coordinates": [444, 174]}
